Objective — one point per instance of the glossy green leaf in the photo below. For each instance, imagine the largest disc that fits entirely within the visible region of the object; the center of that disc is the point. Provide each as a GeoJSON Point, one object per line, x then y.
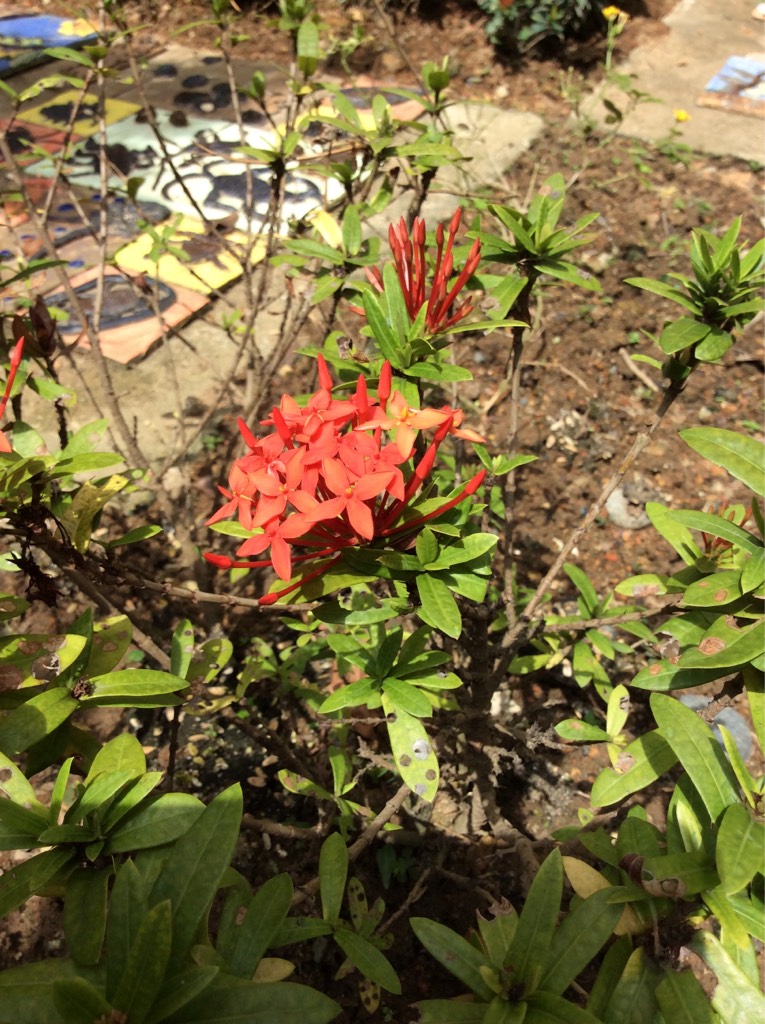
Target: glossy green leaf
{"type": "Point", "coordinates": [740, 845]}
{"type": "Point", "coordinates": [735, 998]}
{"type": "Point", "coordinates": [333, 872]}
{"type": "Point", "coordinates": [682, 1000]}
{"type": "Point", "coordinates": [15, 785]}
{"type": "Point", "coordinates": [741, 455]}
{"type": "Point", "coordinates": [130, 798]}
{"type": "Point", "coordinates": [123, 753]}
{"type": "Point", "coordinates": [36, 719]}
{"type": "Point", "coordinates": [195, 868]}
{"type": "Point", "coordinates": [19, 827]}
{"type": "Point", "coordinates": [144, 970]}
{"type": "Point", "coordinates": [77, 1001]}
{"type": "Point", "coordinates": [85, 913]}
{"type": "Point", "coordinates": [536, 926]}
{"type": "Point", "coordinates": [574, 730]}
{"type": "Point", "coordinates": [182, 649]}
{"type": "Point", "coordinates": [11, 606]}
{"type": "Point", "coordinates": [678, 535]}
{"type": "Point", "coordinates": [128, 907]}
{"type": "Point", "coordinates": [454, 953]}
{"type": "Point", "coordinates": [403, 696]}
{"type": "Point", "coordinates": [684, 873]}
{"type": "Point", "coordinates": [134, 536]}
{"type": "Point", "coordinates": [577, 941]}
{"type": "Point", "coordinates": [208, 660]}
{"type": "Point", "coordinates": [29, 877]}
{"type": "Point", "coordinates": [265, 916]}
{"type": "Point", "coordinates": [412, 750]}
{"type": "Point", "coordinates": [153, 824]}
{"type": "Point", "coordinates": [368, 959]}
{"type": "Point", "coordinates": [633, 1000]}
{"type": "Point", "coordinates": [548, 1008]}
{"type": "Point", "coordinates": [725, 646]}
{"type": "Point", "coordinates": [179, 990]}
{"type": "Point", "coordinates": [609, 975]}
{"type": "Point", "coordinates": [640, 763]}
{"type": "Point", "coordinates": [97, 796]}
{"type": "Point", "coordinates": [437, 606]}
{"type": "Point", "coordinates": [449, 1011]}
{"type": "Point", "coordinates": [353, 695]}
{"type": "Point", "coordinates": [714, 591]}
{"type": "Point", "coordinates": [682, 333]}
{"type": "Point", "coordinates": [666, 676]}
{"type": "Point", "coordinates": [698, 751]}
{"type": "Point", "coordinates": [132, 683]}
{"type": "Point", "coordinates": [753, 573]}
{"type": "Point", "coordinates": [26, 992]}
{"type": "Point", "coordinates": [232, 1001]}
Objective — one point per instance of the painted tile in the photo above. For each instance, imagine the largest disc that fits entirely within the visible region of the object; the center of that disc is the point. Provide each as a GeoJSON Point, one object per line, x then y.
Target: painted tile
{"type": "Point", "coordinates": [203, 264]}
{"type": "Point", "coordinates": [198, 85]}
{"type": "Point", "coordinates": [739, 86]}
{"type": "Point", "coordinates": [57, 112]}
{"type": "Point", "coordinates": [24, 37]}
{"type": "Point", "coordinates": [204, 154]}
{"type": "Point", "coordinates": [129, 326]}
{"type": "Point", "coordinates": [28, 142]}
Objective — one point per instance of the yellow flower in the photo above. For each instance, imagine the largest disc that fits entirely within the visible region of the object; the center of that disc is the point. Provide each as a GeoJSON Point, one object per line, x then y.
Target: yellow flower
{"type": "Point", "coordinates": [681, 115]}
{"type": "Point", "coordinates": [611, 13]}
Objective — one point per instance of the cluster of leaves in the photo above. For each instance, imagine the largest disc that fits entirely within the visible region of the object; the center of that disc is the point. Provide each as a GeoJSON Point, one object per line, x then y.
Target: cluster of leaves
{"type": "Point", "coordinates": [524, 24]}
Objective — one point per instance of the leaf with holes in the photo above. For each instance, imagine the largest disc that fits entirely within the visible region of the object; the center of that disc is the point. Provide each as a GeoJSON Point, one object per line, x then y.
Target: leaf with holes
{"type": "Point", "coordinates": [29, 658]}
{"type": "Point", "coordinates": [412, 750]}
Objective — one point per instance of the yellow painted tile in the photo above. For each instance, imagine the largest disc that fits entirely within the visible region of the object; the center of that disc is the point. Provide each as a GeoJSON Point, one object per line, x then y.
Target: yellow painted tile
{"type": "Point", "coordinates": [56, 112]}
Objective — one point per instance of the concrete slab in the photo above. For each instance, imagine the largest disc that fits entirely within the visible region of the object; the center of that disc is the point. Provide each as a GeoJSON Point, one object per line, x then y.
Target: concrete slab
{"type": "Point", "coordinates": [676, 68]}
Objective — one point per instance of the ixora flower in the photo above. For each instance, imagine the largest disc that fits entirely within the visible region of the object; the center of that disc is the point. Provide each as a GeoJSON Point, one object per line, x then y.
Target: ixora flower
{"type": "Point", "coordinates": [15, 361]}
{"type": "Point", "coordinates": [327, 479]}
{"type": "Point", "coordinates": [409, 258]}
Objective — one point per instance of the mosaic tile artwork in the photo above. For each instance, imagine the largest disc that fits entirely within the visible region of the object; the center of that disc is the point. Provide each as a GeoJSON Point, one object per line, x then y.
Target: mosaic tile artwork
{"type": "Point", "coordinates": [204, 153]}
{"type": "Point", "coordinates": [29, 142]}
{"type": "Point", "coordinates": [57, 113]}
{"type": "Point", "coordinates": [25, 37]}
{"type": "Point", "coordinates": [198, 85]}
{"type": "Point", "coordinates": [205, 261]}
{"type": "Point", "coordinates": [129, 326]}
{"type": "Point", "coordinates": [739, 86]}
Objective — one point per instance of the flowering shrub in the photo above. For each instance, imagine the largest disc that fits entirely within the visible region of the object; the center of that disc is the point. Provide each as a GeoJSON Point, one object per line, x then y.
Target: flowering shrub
{"type": "Point", "coordinates": [328, 479]}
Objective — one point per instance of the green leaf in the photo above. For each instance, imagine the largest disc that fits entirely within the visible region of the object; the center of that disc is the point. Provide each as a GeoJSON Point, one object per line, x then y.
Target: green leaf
{"type": "Point", "coordinates": [665, 676]}
{"type": "Point", "coordinates": [111, 639]}
{"type": "Point", "coordinates": [67, 53]}
{"type": "Point", "coordinates": [128, 907]}
{"type": "Point", "coordinates": [36, 719]}
{"type": "Point", "coordinates": [134, 536]}
{"type": "Point", "coordinates": [402, 696]}
{"type": "Point", "coordinates": [353, 695]}
{"type": "Point", "coordinates": [742, 456]}
{"type": "Point", "coordinates": [547, 1008]}
{"type": "Point", "coordinates": [264, 918]}
{"type": "Point", "coordinates": [609, 976]}
{"type": "Point", "coordinates": [667, 291]}
{"type": "Point", "coordinates": [698, 751]}
{"type": "Point", "coordinates": [427, 546]}
{"type": "Point", "coordinates": [123, 753]}
{"type": "Point", "coordinates": [182, 649]}
{"type": "Point", "coordinates": [412, 750]}
{"type": "Point", "coordinates": [231, 1001]}
{"type": "Point", "coordinates": [455, 954]}
{"type": "Point", "coordinates": [682, 1000]}
{"type": "Point", "coordinates": [438, 608]}
{"type": "Point", "coordinates": [129, 799]}
{"type": "Point", "coordinates": [368, 959]}
{"type": "Point", "coordinates": [640, 763]}
{"type": "Point", "coordinates": [133, 682]}
{"type": "Point", "coordinates": [147, 960]}
{"type": "Point", "coordinates": [672, 531]}
{"type": "Point", "coordinates": [19, 827]}
{"type": "Point", "coordinates": [15, 785]}
{"type": "Point", "coordinates": [536, 926]}
{"type": "Point", "coordinates": [740, 842]}
{"type": "Point", "coordinates": [179, 990]}
{"type": "Point", "coordinates": [351, 230]}
{"type": "Point", "coordinates": [333, 872]}
{"type": "Point", "coordinates": [714, 591]}
{"type": "Point", "coordinates": [735, 998]}
{"type": "Point", "coordinates": [79, 1002]}
{"type": "Point", "coordinates": [27, 878]}
{"type": "Point", "coordinates": [153, 824]}
{"type": "Point", "coordinates": [85, 913]}
{"type": "Point", "coordinates": [97, 796]}
{"type": "Point", "coordinates": [577, 941]}
{"type": "Point", "coordinates": [308, 49]}
{"type": "Point", "coordinates": [633, 1001]}
{"type": "Point", "coordinates": [11, 606]}
{"type": "Point", "coordinates": [449, 1011]}
{"type": "Point", "coordinates": [693, 870]}
{"type": "Point", "coordinates": [382, 333]}
{"type": "Point", "coordinates": [195, 868]}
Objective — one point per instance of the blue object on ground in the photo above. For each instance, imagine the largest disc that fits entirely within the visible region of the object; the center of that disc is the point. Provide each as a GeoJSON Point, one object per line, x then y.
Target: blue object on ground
{"type": "Point", "coordinates": [24, 38]}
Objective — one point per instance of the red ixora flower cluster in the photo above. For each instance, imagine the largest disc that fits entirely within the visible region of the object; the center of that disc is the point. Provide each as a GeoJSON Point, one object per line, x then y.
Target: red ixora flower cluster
{"type": "Point", "coordinates": [327, 478]}
{"type": "Point", "coordinates": [412, 271]}
{"type": "Point", "coordinates": [15, 362]}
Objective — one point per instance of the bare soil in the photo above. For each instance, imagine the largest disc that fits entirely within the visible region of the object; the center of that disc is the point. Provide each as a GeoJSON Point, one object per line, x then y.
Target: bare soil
{"type": "Point", "coordinates": [582, 404]}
